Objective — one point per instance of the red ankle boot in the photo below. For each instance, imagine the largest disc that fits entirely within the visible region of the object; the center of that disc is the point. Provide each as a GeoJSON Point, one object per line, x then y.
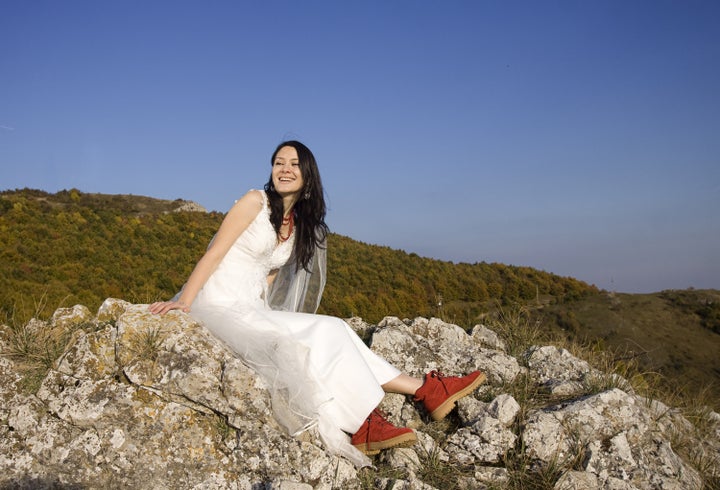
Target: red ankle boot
{"type": "Point", "coordinates": [376, 433]}
{"type": "Point", "coordinates": [439, 393]}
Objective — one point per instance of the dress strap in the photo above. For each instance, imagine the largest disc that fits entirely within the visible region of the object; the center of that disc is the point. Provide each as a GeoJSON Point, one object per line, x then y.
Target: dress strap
{"type": "Point", "coordinates": [264, 197]}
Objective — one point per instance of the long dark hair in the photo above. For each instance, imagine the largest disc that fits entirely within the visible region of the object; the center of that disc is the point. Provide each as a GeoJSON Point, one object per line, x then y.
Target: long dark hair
{"type": "Point", "coordinates": [310, 227]}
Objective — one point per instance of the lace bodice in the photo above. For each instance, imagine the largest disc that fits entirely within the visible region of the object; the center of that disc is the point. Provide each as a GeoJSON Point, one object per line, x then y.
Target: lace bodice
{"type": "Point", "coordinates": [241, 276]}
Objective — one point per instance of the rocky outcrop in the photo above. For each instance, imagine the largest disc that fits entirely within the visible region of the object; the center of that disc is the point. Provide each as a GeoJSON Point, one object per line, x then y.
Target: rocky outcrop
{"type": "Point", "coordinates": [190, 206]}
{"type": "Point", "coordinates": [149, 402]}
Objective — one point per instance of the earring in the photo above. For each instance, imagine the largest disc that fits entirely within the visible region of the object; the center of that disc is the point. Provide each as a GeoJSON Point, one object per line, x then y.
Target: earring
{"type": "Point", "coordinates": [306, 196]}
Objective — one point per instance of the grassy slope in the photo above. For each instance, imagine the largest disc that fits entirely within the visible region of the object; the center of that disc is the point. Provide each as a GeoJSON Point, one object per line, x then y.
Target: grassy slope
{"type": "Point", "coordinates": [667, 339]}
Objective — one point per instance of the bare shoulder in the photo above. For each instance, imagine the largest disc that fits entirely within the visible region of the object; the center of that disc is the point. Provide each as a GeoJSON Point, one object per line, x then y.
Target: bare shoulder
{"type": "Point", "coordinates": [253, 196]}
{"type": "Point", "coordinates": [238, 219]}
{"type": "Point", "coordinates": [249, 204]}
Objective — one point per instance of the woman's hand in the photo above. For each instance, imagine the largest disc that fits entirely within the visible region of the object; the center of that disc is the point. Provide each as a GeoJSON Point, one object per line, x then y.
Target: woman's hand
{"type": "Point", "coordinates": [162, 307]}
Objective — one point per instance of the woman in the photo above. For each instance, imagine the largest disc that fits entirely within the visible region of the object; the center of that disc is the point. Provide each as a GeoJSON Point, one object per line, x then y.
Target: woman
{"type": "Point", "coordinates": [257, 288]}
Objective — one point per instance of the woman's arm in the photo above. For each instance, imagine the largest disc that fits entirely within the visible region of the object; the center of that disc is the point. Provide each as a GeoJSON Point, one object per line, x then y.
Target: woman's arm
{"type": "Point", "coordinates": [235, 223]}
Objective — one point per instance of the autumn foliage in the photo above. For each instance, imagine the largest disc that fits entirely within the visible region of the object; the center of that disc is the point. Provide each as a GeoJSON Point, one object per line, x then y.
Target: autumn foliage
{"type": "Point", "coordinates": [73, 247]}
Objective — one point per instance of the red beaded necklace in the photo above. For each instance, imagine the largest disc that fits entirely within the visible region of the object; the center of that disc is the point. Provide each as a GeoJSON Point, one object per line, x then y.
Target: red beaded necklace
{"type": "Point", "coordinates": [287, 220]}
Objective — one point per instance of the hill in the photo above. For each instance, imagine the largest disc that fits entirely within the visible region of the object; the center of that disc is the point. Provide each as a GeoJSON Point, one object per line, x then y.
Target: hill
{"type": "Point", "coordinates": [75, 247]}
{"type": "Point", "coordinates": [674, 334]}
{"type": "Point", "coordinates": [72, 247]}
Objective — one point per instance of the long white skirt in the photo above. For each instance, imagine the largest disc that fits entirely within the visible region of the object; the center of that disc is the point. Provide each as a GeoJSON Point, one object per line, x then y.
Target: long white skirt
{"type": "Point", "coordinates": [319, 372]}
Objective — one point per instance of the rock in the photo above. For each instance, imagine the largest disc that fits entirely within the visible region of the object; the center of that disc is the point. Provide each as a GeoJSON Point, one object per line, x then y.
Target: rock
{"type": "Point", "coordinates": [111, 309]}
{"type": "Point", "coordinates": [497, 477]}
{"type": "Point", "coordinates": [470, 410]}
{"type": "Point", "coordinates": [190, 206]}
{"type": "Point", "coordinates": [561, 372]}
{"type": "Point", "coordinates": [152, 402]}
{"type": "Point", "coordinates": [611, 435]}
{"type": "Point", "coordinates": [70, 317]}
{"type": "Point", "coordinates": [144, 401]}
{"type": "Point", "coordinates": [442, 346]}
{"type": "Point", "coordinates": [578, 480]}
{"type": "Point", "coordinates": [505, 409]}
{"type": "Point", "coordinates": [486, 337]}
{"type": "Point", "coordinates": [406, 458]}
{"type": "Point", "coordinates": [9, 383]}
{"type": "Point", "coordinates": [485, 442]}
{"type": "Point", "coordinates": [360, 327]}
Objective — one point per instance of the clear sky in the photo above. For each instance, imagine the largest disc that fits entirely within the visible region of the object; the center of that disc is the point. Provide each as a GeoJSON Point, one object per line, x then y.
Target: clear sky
{"type": "Point", "coordinates": [577, 137]}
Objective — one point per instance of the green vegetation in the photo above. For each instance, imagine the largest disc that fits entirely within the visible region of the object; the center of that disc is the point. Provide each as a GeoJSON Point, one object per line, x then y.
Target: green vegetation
{"type": "Point", "coordinates": [671, 336]}
{"type": "Point", "coordinates": [371, 281]}
{"type": "Point", "coordinates": [705, 305]}
{"type": "Point", "coordinates": [74, 247]}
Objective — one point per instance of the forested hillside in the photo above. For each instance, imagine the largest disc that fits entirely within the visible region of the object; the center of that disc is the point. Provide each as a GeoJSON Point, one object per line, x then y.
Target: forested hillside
{"type": "Point", "coordinates": [73, 247]}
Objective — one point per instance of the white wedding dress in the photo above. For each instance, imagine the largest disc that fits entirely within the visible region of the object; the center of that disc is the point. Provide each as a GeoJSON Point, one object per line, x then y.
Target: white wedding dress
{"type": "Point", "coordinates": [320, 374]}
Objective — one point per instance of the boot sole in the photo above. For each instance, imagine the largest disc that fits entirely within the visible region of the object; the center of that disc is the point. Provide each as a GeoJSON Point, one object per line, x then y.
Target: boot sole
{"type": "Point", "coordinates": [372, 448]}
{"type": "Point", "coordinates": [446, 407]}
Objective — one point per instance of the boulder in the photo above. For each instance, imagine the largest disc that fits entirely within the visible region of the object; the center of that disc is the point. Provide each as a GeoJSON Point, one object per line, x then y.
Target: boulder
{"type": "Point", "coordinates": [156, 402]}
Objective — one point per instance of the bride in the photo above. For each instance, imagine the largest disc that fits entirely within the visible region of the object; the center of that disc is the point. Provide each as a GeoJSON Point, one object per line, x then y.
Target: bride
{"type": "Point", "coordinates": [257, 288]}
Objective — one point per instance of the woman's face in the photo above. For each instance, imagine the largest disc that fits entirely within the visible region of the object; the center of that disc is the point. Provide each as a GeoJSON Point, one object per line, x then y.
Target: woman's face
{"type": "Point", "coordinates": [286, 175]}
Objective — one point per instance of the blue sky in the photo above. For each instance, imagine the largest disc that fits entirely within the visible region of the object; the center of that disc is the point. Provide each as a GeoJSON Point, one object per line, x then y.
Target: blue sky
{"type": "Point", "coordinates": [580, 138]}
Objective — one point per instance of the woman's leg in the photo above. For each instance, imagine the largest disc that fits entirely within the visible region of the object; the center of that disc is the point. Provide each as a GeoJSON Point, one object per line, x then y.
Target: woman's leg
{"type": "Point", "coordinates": [403, 384]}
{"type": "Point", "coordinates": [438, 394]}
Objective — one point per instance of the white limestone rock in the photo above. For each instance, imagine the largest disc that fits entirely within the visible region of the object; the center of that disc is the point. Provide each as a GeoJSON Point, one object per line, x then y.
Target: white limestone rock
{"type": "Point", "coordinates": [144, 401]}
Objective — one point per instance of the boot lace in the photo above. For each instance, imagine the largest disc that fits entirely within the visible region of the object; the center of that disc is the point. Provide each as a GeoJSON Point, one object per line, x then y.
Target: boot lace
{"type": "Point", "coordinates": [440, 377]}
{"type": "Point", "coordinates": [379, 417]}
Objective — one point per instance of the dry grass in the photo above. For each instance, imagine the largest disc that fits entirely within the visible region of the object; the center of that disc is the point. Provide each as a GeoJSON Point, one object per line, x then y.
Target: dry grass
{"type": "Point", "coordinates": [695, 445]}
{"type": "Point", "coordinates": [146, 344]}
{"type": "Point", "coordinates": [657, 333]}
{"type": "Point", "coordinates": [523, 474]}
{"type": "Point", "coordinates": [34, 344]}
{"type": "Point", "coordinates": [378, 477]}
{"type": "Point", "coordinates": [517, 327]}
{"type": "Point", "coordinates": [441, 474]}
